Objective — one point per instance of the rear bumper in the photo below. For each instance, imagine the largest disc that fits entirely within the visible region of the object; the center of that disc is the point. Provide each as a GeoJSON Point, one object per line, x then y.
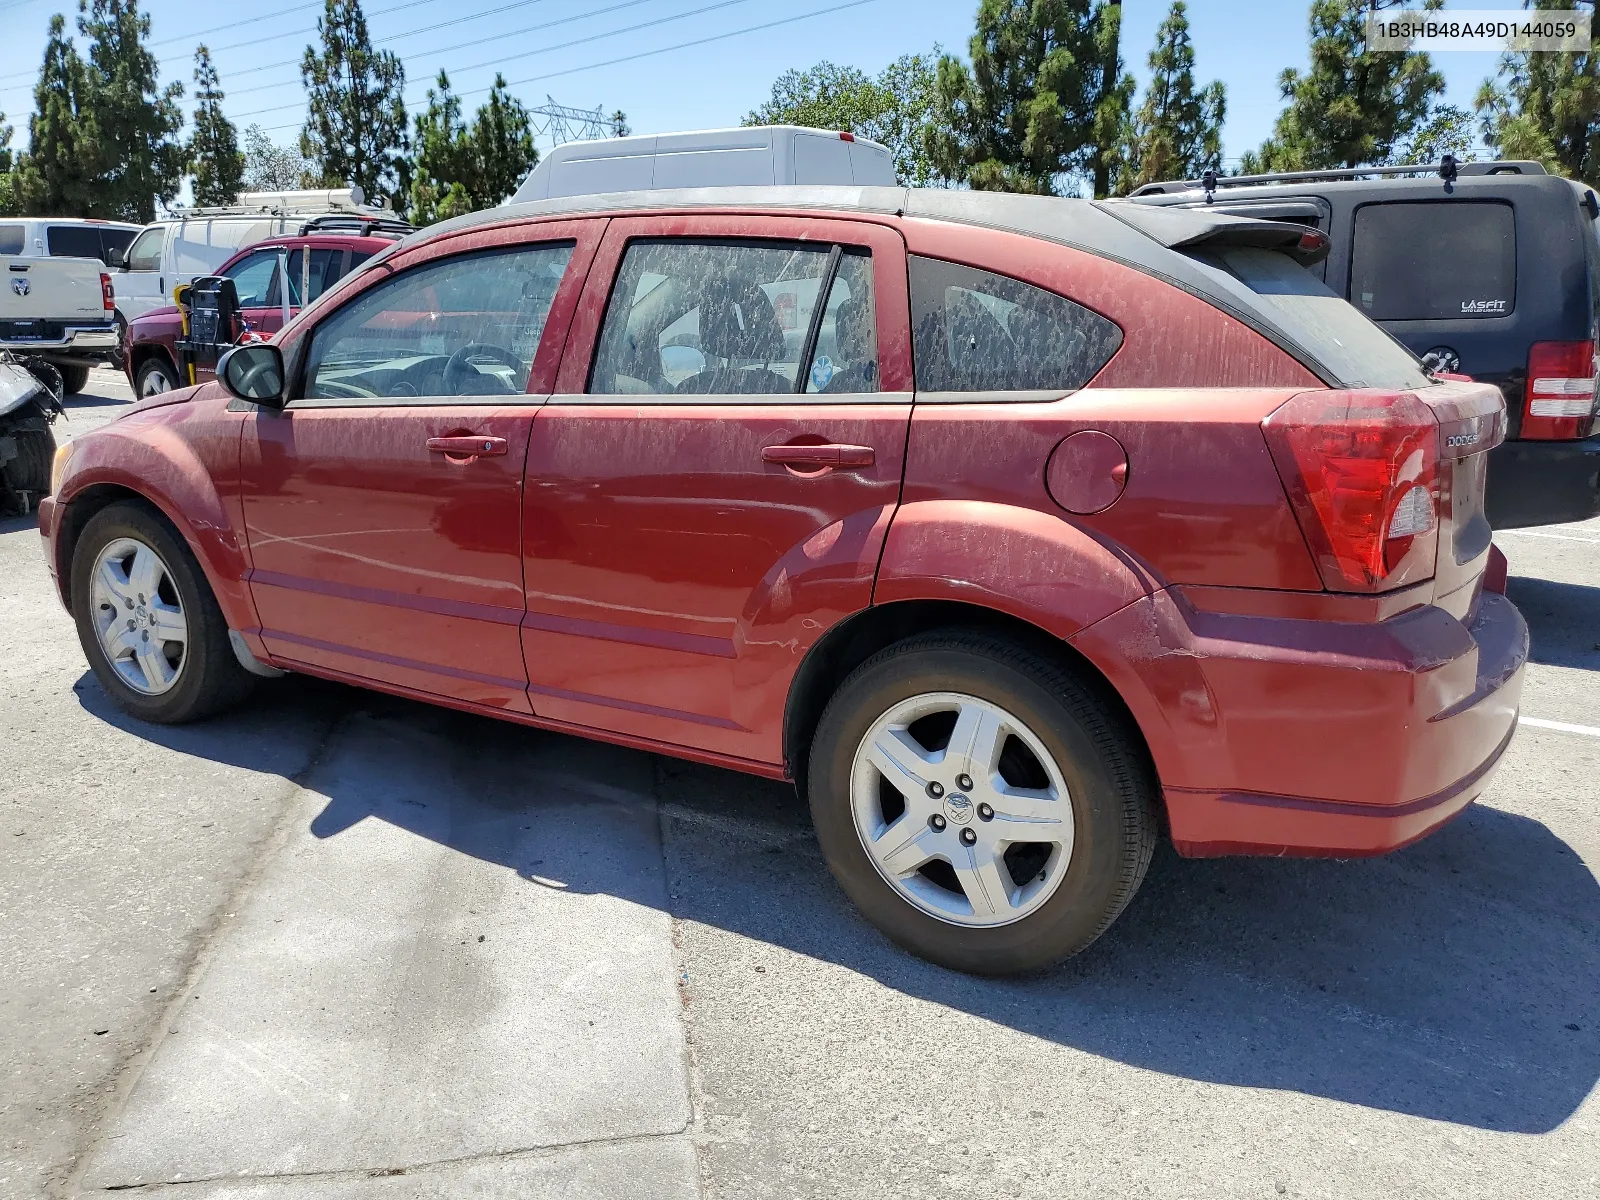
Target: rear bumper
{"type": "Point", "coordinates": [1543, 483]}
{"type": "Point", "coordinates": [1312, 738]}
{"type": "Point", "coordinates": [78, 344]}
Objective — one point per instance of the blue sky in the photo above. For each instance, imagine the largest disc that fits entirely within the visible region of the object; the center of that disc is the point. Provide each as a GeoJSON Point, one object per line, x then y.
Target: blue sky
{"type": "Point", "coordinates": [1245, 43]}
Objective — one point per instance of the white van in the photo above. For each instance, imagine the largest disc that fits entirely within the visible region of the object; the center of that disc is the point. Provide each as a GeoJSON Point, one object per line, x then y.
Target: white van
{"type": "Point", "coordinates": [752, 155]}
{"type": "Point", "coordinates": [65, 237]}
{"type": "Point", "coordinates": [197, 241]}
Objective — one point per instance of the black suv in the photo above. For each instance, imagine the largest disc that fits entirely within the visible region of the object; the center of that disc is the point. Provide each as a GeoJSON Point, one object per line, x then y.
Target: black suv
{"type": "Point", "coordinates": [1485, 269]}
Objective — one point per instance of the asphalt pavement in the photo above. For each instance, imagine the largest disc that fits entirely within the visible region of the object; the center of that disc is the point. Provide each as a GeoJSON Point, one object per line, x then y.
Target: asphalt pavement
{"type": "Point", "coordinates": [336, 944]}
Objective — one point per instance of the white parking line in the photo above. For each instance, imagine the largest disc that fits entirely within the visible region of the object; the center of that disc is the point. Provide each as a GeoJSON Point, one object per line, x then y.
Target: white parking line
{"type": "Point", "coordinates": [1560, 537]}
{"type": "Point", "coordinates": [1560, 726]}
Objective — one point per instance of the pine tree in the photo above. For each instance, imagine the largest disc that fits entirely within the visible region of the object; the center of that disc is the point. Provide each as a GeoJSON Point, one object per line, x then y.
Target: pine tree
{"type": "Point", "coordinates": [269, 167]}
{"type": "Point", "coordinates": [1043, 98]}
{"type": "Point", "coordinates": [502, 142]}
{"type": "Point", "coordinates": [443, 166]}
{"type": "Point", "coordinates": [1546, 107]}
{"type": "Point", "coordinates": [140, 159]}
{"type": "Point", "coordinates": [10, 199]}
{"type": "Point", "coordinates": [1177, 132]}
{"type": "Point", "coordinates": [355, 132]}
{"type": "Point", "coordinates": [1354, 106]}
{"type": "Point", "coordinates": [619, 122]}
{"type": "Point", "coordinates": [894, 108]}
{"type": "Point", "coordinates": [214, 154]}
{"type": "Point", "coordinates": [57, 175]}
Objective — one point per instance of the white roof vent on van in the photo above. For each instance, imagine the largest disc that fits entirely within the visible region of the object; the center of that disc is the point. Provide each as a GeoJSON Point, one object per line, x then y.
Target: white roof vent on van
{"type": "Point", "coordinates": [755, 155]}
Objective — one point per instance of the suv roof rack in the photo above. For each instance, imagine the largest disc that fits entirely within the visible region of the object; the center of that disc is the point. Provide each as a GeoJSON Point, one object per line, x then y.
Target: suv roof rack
{"type": "Point", "coordinates": [360, 224]}
{"type": "Point", "coordinates": [1212, 181]}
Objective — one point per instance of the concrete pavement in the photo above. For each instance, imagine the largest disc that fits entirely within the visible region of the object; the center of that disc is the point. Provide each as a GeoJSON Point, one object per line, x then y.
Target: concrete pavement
{"type": "Point", "coordinates": [243, 960]}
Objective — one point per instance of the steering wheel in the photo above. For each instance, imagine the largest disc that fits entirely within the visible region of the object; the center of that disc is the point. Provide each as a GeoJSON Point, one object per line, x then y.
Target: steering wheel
{"type": "Point", "coordinates": [462, 377]}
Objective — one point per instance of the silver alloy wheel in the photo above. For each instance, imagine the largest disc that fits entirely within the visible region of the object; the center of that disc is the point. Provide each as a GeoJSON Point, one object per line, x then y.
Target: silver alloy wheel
{"type": "Point", "coordinates": [138, 616]}
{"type": "Point", "coordinates": [154, 383]}
{"type": "Point", "coordinates": [951, 826]}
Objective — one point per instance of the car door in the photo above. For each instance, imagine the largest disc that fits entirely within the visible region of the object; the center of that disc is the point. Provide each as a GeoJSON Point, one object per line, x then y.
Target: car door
{"type": "Point", "coordinates": [383, 505]}
{"type": "Point", "coordinates": [694, 521]}
{"type": "Point", "coordinates": [141, 285]}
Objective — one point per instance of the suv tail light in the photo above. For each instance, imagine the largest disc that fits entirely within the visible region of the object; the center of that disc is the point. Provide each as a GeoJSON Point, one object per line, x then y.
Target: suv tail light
{"type": "Point", "coordinates": [1560, 393]}
{"type": "Point", "coordinates": [1362, 472]}
{"type": "Point", "coordinates": [107, 296]}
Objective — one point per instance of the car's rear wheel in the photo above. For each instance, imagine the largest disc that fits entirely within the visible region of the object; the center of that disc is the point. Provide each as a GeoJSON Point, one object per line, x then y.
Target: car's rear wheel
{"type": "Point", "coordinates": [147, 620]}
{"type": "Point", "coordinates": [155, 375]}
{"type": "Point", "coordinates": [74, 379]}
{"type": "Point", "coordinates": [26, 476]}
{"type": "Point", "coordinates": [982, 805]}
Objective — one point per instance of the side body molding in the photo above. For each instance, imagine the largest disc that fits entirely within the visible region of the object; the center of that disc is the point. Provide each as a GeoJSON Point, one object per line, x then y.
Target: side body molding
{"type": "Point", "coordinates": [1027, 563]}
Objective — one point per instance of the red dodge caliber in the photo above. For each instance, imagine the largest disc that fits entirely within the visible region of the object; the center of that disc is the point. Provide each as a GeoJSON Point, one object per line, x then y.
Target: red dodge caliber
{"type": "Point", "coordinates": [1016, 531]}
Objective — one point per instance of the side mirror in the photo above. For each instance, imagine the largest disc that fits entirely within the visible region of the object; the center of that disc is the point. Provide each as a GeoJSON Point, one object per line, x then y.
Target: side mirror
{"type": "Point", "coordinates": [116, 258]}
{"type": "Point", "coordinates": [253, 373]}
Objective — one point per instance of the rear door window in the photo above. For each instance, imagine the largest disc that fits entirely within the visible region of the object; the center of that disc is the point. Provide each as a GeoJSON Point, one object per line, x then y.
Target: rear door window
{"type": "Point", "coordinates": [975, 331]}
{"type": "Point", "coordinates": [1434, 260]}
{"type": "Point", "coordinates": [74, 241]}
{"type": "Point", "coordinates": [13, 238]}
{"type": "Point", "coordinates": [738, 318]}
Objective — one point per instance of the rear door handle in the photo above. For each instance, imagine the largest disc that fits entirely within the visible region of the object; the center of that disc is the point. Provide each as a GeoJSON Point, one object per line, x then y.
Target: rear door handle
{"type": "Point", "coordinates": [468, 445]}
{"type": "Point", "coordinates": [831, 455]}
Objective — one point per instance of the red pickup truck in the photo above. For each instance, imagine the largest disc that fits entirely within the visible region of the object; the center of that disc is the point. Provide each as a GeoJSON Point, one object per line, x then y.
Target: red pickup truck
{"type": "Point", "coordinates": [151, 360]}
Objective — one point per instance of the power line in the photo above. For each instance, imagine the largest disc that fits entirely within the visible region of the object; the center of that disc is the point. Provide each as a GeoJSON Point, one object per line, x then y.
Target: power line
{"type": "Point", "coordinates": [273, 37]}
{"type": "Point", "coordinates": [626, 58]}
{"type": "Point", "coordinates": [503, 59]}
{"type": "Point", "coordinates": [494, 37]}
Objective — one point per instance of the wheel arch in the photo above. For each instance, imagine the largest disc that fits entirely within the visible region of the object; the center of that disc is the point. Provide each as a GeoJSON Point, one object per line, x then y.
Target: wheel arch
{"type": "Point", "coordinates": [857, 638]}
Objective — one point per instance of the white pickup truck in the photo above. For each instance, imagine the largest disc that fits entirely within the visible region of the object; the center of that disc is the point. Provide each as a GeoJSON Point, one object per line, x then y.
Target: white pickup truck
{"type": "Point", "coordinates": [58, 309]}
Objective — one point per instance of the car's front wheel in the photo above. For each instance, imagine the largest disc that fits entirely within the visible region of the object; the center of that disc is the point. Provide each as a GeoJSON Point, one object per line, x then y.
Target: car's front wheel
{"type": "Point", "coordinates": [981, 804]}
{"type": "Point", "coordinates": [147, 620]}
{"type": "Point", "coordinates": [155, 375]}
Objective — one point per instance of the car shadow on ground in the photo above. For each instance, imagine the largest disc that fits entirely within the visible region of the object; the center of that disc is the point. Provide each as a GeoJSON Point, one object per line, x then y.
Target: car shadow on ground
{"type": "Point", "coordinates": [1563, 620]}
{"type": "Point", "coordinates": [1456, 980]}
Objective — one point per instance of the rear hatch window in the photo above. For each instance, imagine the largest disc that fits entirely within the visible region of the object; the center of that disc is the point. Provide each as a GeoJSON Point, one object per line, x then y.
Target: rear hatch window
{"type": "Point", "coordinates": [1359, 353]}
{"type": "Point", "coordinates": [1434, 261]}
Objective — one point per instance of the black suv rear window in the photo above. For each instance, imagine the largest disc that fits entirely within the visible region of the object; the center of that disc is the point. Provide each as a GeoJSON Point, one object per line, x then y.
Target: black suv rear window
{"type": "Point", "coordinates": [1434, 261]}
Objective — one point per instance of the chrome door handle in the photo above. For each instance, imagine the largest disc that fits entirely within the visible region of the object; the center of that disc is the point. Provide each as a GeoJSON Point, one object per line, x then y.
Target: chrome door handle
{"type": "Point", "coordinates": [817, 457]}
{"type": "Point", "coordinates": [468, 446]}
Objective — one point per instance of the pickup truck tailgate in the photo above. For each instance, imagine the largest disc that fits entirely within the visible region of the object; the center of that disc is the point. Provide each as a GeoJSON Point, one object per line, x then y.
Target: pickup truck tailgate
{"type": "Point", "coordinates": [39, 296]}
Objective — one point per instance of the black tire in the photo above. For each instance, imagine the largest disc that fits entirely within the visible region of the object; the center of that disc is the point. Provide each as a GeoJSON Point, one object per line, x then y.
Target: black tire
{"type": "Point", "coordinates": [211, 678]}
{"type": "Point", "coordinates": [155, 365]}
{"type": "Point", "coordinates": [29, 471]}
{"type": "Point", "coordinates": [74, 379]}
{"type": "Point", "coordinates": [1110, 784]}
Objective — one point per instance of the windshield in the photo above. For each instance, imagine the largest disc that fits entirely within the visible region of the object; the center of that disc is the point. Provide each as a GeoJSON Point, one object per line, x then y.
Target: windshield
{"type": "Point", "coordinates": [1358, 352]}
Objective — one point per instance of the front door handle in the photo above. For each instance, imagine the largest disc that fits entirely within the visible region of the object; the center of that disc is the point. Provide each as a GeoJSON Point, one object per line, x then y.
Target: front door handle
{"type": "Point", "coordinates": [816, 458]}
{"type": "Point", "coordinates": [468, 445]}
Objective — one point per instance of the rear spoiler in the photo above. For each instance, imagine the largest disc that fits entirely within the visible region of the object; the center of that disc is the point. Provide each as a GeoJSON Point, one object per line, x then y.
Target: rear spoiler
{"type": "Point", "coordinates": [1192, 229]}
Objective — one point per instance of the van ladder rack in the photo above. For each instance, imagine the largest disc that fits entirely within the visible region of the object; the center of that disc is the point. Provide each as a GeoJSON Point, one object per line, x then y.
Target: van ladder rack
{"type": "Point", "coordinates": [1506, 167]}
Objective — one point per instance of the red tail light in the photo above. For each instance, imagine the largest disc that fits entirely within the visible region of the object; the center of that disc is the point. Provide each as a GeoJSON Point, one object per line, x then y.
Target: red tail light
{"type": "Point", "coordinates": [1560, 392]}
{"type": "Point", "coordinates": [107, 296]}
{"type": "Point", "coordinates": [1362, 472]}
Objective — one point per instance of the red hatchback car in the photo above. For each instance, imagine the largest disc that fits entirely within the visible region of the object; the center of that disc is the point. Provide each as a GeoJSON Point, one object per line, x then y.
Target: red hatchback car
{"type": "Point", "coordinates": [1014, 530]}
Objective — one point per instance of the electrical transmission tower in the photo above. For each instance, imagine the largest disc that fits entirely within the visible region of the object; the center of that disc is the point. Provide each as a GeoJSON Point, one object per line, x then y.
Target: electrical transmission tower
{"type": "Point", "coordinates": [562, 123]}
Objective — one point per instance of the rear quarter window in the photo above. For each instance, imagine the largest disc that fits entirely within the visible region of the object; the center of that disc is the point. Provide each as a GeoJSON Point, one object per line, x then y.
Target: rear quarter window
{"type": "Point", "coordinates": [1330, 331]}
{"type": "Point", "coordinates": [1434, 260]}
